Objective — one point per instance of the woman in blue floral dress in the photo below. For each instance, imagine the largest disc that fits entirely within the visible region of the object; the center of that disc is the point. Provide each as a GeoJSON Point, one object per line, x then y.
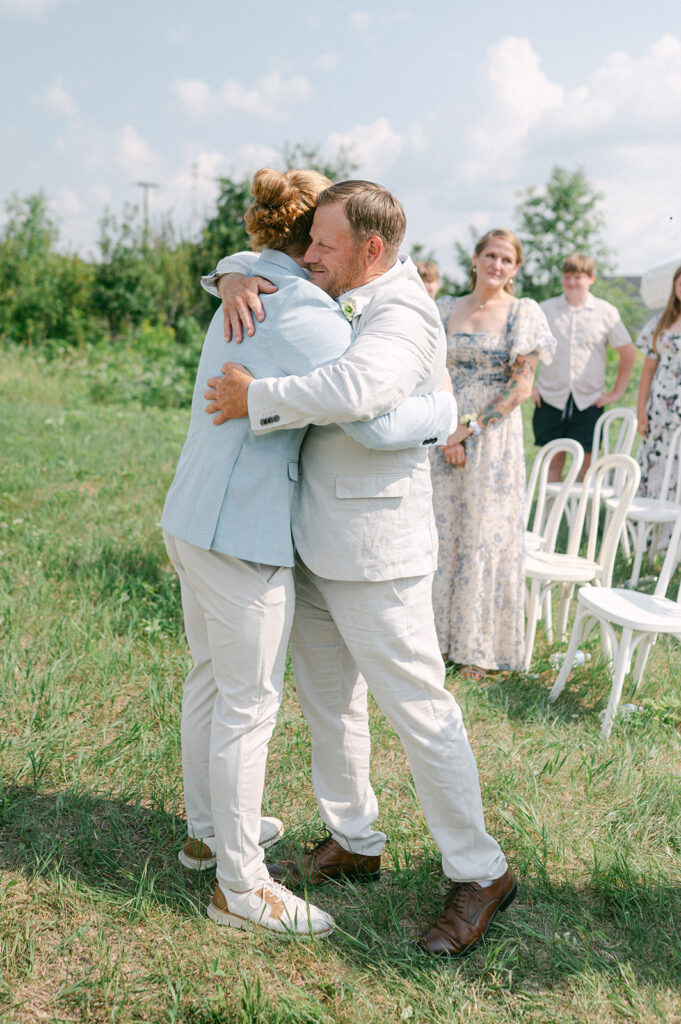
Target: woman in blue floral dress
{"type": "Point", "coordinates": [493, 344]}
{"type": "Point", "coordinates": [659, 392]}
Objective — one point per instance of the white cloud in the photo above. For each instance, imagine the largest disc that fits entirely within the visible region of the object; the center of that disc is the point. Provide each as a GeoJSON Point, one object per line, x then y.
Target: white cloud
{"type": "Point", "coordinates": [26, 8]}
{"type": "Point", "coordinates": [360, 21]}
{"type": "Point", "coordinates": [627, 95]}
{"type": "Point", "coordinates": [134, 155]}
{"type": "Point", "coordinates": [57, 98]}
{"type": "Point", "coordinates": [363, 22]}
{"type": "Point", "coordinates": [265, 99]}
{"type": "Point", "coordinates": [417, 137]}
{"type": "Point", "coordinates": [326, 62]}
{"type": "Point", "coordinates": [68, 202]}
{"type": "Point", "coordinates": [194, 95]}
{"type": "Point", "coordinates": [374, 147]}
{"type": "Point", "coordinates": [516, 93]}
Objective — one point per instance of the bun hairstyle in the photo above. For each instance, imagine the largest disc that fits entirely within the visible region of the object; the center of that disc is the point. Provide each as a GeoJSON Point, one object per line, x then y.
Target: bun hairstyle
{"type": "Point", "coordinates": [283, 206]}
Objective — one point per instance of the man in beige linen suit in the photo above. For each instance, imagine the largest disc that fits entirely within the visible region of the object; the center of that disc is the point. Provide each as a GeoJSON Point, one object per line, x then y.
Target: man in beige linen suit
{"type": "Point", "coordinates": [366, 540]}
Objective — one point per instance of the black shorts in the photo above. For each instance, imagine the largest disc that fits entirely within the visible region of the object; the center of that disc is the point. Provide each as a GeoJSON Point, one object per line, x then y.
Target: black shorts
{"type": "Point", "coordinates": [550, 424]}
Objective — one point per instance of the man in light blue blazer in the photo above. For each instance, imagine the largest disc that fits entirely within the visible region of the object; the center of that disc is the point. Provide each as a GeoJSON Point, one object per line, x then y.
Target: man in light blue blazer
{"type": "Point", "coordinates": [227, 523]}
{"type": "Point", "coordinates": [365, 535]}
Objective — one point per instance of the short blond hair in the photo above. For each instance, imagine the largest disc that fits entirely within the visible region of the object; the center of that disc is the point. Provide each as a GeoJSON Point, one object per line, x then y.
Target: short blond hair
{"type": "Point", "coordinates": [280, 216]}
{"type": "Point", "coordinates": [371, 210]}
{"type": "Point", "coordinates": [428, 270]}
{"type": "Point", "coordinates": [579, 263]}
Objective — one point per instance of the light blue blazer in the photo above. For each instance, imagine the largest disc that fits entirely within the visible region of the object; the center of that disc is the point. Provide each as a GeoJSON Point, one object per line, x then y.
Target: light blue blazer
{"type": "Point", "coordinates": [233, 491]}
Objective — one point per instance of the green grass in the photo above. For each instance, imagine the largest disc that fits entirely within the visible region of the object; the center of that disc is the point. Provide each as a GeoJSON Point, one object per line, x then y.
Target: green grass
{"type": "Point", "coordinates": [99, 923]}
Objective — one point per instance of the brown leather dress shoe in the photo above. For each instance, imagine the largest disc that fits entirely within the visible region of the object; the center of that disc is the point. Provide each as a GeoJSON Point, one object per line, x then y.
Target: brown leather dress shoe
{"type": "Point", "coordinates": [326, 860]}
{"type": "Point", "coordinates": [468, 913]}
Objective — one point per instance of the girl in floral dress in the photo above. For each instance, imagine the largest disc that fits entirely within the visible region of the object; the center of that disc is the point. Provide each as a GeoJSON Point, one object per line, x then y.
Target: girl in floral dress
{"type": "Point", "coordinates": [659, 394]}
{"type": "Point", "coordinates": [493, 343]}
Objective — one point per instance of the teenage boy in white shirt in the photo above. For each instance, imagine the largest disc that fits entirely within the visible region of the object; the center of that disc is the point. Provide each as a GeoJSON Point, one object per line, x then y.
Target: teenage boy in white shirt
{"type": "Point", "coordinates": [569, 393]}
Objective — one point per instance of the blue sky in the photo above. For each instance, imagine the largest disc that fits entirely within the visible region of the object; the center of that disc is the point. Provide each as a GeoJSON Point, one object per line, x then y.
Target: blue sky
{"type": "Point", "coordinates": [454, 106]}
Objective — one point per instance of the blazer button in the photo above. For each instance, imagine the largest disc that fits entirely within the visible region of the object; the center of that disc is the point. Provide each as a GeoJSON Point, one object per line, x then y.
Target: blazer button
{"type": "Point", "coordinates": [274, 419]}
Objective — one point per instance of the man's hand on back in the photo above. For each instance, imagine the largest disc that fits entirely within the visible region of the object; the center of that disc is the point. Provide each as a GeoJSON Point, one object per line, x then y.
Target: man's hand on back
{"type": "Point", "coordinates": [228, 395]}
{"type": "Point", "coordinates": [239, 296]}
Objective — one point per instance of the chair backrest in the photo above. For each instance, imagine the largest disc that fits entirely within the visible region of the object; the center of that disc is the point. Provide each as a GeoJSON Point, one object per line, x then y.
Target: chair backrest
{"type": "Point", "coordinates": [614, 432]}
{"type": "Point", "coordinates": [596, 479]}
{"type": "Point", "coordinates": [670, 561]}
{"type": "Point", "coordinates": [671, 470]}
{"type": "Point", "coordinates": [547, 515]}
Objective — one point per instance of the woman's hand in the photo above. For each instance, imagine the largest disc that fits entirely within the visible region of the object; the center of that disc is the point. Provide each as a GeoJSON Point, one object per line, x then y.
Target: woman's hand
{"type": "Point", "coordinates": [455, 454]}
{"type": "Point", "coordinates": [642, 425]}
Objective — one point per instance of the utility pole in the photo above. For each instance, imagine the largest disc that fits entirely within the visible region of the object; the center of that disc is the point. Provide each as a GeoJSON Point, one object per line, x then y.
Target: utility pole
{"type": "Point", "coordinates": [145, 186]}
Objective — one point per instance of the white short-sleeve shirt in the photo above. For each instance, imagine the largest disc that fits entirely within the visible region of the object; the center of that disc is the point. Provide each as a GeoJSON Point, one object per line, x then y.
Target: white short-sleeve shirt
{"type": "Point", "coordinates": [578, 367]}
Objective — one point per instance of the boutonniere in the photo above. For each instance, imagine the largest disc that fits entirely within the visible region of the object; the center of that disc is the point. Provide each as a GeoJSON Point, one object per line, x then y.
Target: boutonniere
{"type": "Point", "coordinates": [348, 308]}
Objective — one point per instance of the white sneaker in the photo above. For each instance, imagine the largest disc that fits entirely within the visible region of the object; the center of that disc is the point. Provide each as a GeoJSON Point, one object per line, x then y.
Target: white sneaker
{"type": "Point", "coordinates": [199, 854]}
{"type": "Point", "coordinates": [270, 906]}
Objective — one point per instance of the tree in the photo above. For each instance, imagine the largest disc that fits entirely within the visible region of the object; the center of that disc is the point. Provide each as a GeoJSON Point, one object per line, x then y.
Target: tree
{"type": "Point", "coordinates": [44, 295]}
{"type": "Point", "coordinates": [337, 168]}
{"type": "Point", "coordinates": [554, 221]}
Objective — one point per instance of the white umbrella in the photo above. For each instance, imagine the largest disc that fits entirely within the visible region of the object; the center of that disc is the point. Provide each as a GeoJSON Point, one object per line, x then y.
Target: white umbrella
{"type": "Point", "coordinates": [656, 284]}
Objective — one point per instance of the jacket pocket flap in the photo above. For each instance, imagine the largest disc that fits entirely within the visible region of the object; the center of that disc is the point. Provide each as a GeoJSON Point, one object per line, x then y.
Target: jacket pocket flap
{"type": "Point", "coordinates": [373, 486]}
{"type": "Point", "coordinates": [293, 470]}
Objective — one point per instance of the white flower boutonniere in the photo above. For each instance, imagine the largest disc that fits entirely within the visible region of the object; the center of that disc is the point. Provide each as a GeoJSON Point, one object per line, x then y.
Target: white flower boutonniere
{"type": "Point", "coordinates": [348, 308]}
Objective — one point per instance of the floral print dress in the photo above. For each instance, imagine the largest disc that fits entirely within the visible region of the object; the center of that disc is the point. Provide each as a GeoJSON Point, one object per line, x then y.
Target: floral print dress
{"type": "Point", "coordinates": [478, 590]}
{"type": "Point", "coordinates": [664, 412]}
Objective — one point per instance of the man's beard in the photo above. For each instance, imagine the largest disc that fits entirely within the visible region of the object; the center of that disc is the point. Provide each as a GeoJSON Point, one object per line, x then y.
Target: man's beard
{"type": "Point", "coordinates": [343, 279]}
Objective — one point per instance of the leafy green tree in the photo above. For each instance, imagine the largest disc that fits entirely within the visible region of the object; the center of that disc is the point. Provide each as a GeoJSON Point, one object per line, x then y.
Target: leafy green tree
{"type": "Point", "coordinates": [337, 168]}
{"type": "Point", "coordinates": [128, 286]}
{"type": "Point", "coordinates": [553, 221]}
{"type": "Point", "coordinates": [44, 295]}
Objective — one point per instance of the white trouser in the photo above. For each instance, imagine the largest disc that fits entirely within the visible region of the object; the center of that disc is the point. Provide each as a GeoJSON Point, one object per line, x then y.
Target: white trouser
{"type": "Point", "coordinates": [385, 631]}
{"type": "Point", "coordinates": [237, 619]}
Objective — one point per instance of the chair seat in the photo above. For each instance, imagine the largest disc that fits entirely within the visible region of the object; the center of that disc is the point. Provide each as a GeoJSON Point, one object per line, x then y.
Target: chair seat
{"type": "Point", "coordinates": [652, 510]}
{"type": "Point", "coordinates": [628, 608]}
{"type": "Point", "coordinates": [550, 565]}
{"type": "Point", "coordinates": [575, 492]}
{"type": "Point", "coordinates": [533, 542]}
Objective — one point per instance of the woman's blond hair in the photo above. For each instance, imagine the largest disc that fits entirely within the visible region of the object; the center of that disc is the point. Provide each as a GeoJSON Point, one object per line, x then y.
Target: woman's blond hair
{"type": "Point", "coordinates": [506, 236]}
{"type": "Point", "coordinates": [280, 216]}
{"type": "Point", "coordinates": [672, 311]}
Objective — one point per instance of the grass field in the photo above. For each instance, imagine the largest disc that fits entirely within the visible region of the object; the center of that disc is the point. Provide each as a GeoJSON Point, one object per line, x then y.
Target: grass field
{"type": "Point", "coordinates": [99, 923]}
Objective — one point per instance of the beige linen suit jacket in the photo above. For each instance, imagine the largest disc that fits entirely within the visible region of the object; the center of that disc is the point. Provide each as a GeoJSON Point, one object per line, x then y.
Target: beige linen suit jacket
{"type": "Point", "coordinates": [362, 514]}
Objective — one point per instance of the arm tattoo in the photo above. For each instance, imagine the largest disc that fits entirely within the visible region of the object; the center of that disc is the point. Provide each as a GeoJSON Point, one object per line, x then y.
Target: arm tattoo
{"type": "Point", "coordinates": [521, 372]}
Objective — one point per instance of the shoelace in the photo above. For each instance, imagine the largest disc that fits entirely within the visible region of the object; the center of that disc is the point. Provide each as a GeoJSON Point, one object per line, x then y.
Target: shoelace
{"type": "Point", "coordinates": [459, 892]}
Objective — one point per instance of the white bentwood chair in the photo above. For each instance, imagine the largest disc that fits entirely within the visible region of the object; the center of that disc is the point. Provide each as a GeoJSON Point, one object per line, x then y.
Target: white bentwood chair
{"type": "Point", "coordinates": [640, 618]}
{"type": "Point", "coordinates": [647, 516]}
{"type": "Point", "coordinates": [541, 528]}
{"type": "Point", "coordinates": [547, 569]}
{"type": "Point", "coordinates": [614, 434]}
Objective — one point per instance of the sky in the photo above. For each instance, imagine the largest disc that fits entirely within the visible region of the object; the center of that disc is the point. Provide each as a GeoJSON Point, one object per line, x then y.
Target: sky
{"type": "Point", "coordinates": [453, 106]}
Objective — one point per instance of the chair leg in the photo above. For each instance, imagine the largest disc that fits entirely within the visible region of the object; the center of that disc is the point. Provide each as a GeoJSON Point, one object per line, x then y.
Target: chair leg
{"type": "Point", "coordinates": [565, 668]}
{"type": "Point", "coordinates": [622, 662]}
{"type": "Point", "coordinates": [624, 541]}
{"type": "Point", "coordinates": [547, 614]}
{"type": "Point", "coordinates": [606, 644]}
{"type": "Point", "coordinates": [642, 658]}
{"type": "Point", "coordinates": [639, 548]}
{"type": "Point", "coordinates": [566, 592]}
{"type": "Point", "coordinates": [533, 611]}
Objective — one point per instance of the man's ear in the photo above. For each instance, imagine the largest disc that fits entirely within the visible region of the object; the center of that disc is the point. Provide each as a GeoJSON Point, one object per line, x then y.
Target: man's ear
{"type": "Point", "coordinates": [374, 250]}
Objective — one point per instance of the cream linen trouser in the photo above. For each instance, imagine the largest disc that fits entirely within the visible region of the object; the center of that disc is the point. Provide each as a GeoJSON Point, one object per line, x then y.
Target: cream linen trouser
{"type": "Point", "coordinates": [237, 618]}
{"type": "Point", "coordinates": [348, 636]}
